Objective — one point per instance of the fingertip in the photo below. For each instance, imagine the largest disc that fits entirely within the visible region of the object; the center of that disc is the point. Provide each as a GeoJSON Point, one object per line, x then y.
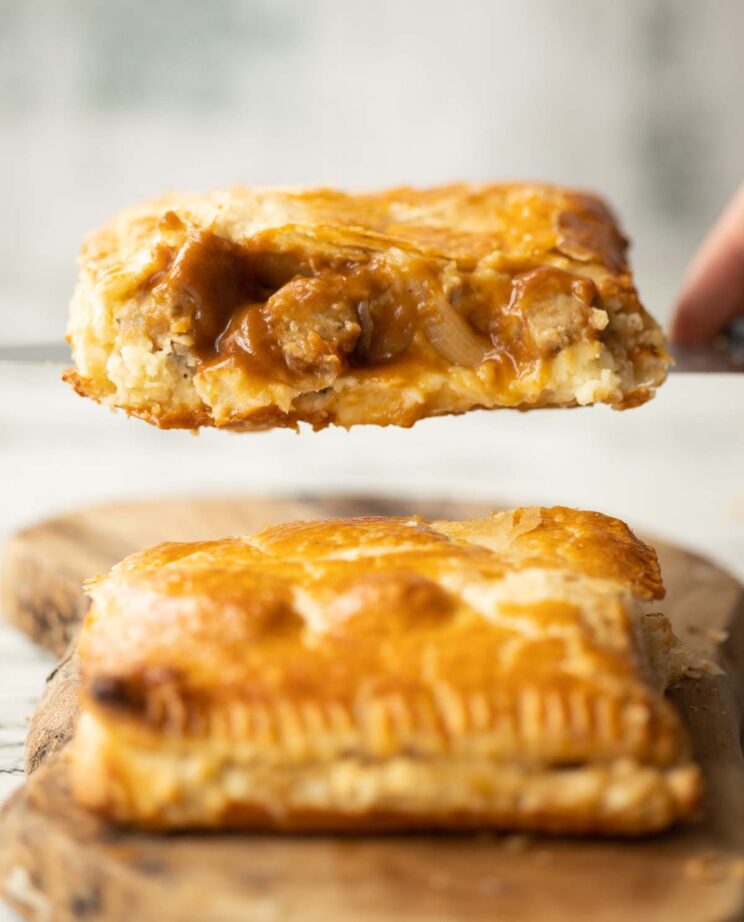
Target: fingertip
{"type": "Point", "coordinates": [713, 288]}
{"type": "Point", "coordinates": [691, 322]}
{"type": "Point", "coordinates": [684, 329]}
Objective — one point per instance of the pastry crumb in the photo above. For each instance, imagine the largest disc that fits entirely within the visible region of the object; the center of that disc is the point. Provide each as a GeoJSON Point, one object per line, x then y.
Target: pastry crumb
{"type": "Point", "coordinates": [517, 843]}
{"type": "Point", "coordinates": [712, 867]}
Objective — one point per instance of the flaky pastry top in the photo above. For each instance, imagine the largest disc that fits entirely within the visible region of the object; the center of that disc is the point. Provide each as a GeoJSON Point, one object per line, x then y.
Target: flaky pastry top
{"type": "Point", "coordinates": [518, 633]}
{"type": "Point", "coordinates": [508, 225]}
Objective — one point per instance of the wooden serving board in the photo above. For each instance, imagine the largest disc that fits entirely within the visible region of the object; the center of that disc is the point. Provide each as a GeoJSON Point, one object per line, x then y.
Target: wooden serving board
{"type": "Point", "coordinates": [43, 566]}
{"type": "Point", "coordinates": [58, 862]}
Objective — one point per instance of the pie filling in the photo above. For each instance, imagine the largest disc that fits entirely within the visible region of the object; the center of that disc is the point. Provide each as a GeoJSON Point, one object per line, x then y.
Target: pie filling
{"type": "Point", "coordinates": [303, 317]}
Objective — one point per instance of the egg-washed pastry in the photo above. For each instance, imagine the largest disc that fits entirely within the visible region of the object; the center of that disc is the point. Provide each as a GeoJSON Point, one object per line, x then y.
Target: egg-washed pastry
{"type": "Point", "coordinates": [254, 308]}
{"type": "Point", "coordinates": [386, 674]}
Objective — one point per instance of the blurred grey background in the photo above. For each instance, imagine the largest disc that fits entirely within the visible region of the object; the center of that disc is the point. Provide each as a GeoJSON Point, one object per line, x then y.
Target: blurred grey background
{"type": "Point", "coordinates": [103, 104]}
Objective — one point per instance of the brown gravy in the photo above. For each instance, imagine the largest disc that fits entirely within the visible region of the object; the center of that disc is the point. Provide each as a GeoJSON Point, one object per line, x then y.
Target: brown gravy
{"type": "Point", "coordinates": [295, 319]}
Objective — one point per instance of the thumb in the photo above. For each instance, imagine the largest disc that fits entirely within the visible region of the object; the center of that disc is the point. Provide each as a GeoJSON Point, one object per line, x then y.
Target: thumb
{"type": "Point", "coordinates": [713, 287]}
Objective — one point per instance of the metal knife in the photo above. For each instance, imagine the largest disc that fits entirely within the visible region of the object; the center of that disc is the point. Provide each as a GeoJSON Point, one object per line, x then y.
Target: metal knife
{"type": "Point", "coordinates": [724, 354]}
{"type": "Point", "coordinates": [57, 353]}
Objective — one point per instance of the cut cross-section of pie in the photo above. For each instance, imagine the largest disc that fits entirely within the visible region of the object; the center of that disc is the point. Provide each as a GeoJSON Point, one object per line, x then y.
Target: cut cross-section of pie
{"type": "Point", "coordinates": [382, 673]}
{"type": "Point", "coordinates": [254, 308]}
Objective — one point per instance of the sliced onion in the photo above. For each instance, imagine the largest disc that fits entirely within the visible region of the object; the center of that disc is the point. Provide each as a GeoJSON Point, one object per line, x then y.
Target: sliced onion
{"type": "Point", "coordinates": [452, 336]}
{"type": "Point", "coordinates": [449, 332]}
{"type": "Point", "coordinates": [364, 343]}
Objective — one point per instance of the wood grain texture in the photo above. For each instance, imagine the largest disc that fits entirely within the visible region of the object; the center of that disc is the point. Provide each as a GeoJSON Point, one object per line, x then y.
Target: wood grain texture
{"type": "Point", "coordinates": [43, 566]}
{"type": "Point", "coordinates": [58, 862]}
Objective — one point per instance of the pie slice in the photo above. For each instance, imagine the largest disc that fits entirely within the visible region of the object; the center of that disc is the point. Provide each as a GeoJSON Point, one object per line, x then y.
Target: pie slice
{"type": "Point", "coordinates": [383, 673]}
{"type": "Point", "coordinates": [255, 308]}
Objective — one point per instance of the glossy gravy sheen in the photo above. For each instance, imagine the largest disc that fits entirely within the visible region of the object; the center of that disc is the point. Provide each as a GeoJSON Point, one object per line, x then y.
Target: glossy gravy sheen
{"type": "Point", "coordinates": [306, 320]}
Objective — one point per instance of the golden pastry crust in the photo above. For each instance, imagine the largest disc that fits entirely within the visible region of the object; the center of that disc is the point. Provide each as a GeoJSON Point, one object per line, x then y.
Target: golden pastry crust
{"type": "Point", "coordinates": [253, 308]}
{"type": "Point", "coordinates": [384, 673]}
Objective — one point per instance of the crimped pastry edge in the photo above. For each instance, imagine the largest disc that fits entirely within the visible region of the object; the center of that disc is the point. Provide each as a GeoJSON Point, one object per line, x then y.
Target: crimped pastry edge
{"type": "Point", "coordinates": [165, 787]}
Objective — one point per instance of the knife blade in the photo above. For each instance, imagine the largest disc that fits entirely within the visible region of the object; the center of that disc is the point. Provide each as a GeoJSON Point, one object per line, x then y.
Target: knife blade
{"type": "Point", "coordinates": [724, 354]}
{"type": "Point", "coordinates": [37, 353]}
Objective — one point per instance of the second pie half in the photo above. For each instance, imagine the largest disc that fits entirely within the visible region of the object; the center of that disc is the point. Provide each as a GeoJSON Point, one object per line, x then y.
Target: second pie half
{"type": "Point", "coordinates": [382, 673]}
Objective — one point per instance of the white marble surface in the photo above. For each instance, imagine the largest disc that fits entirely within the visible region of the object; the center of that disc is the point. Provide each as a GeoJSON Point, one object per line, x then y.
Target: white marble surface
{"type": "Point", "coordinates": [674, 467]}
